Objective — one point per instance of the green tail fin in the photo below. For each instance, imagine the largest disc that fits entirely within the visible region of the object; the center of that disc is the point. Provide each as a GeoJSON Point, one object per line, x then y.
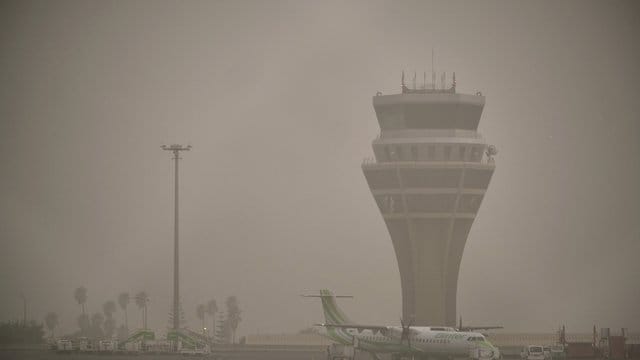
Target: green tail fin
{"type": "Point", "coordinates": [332, 313]}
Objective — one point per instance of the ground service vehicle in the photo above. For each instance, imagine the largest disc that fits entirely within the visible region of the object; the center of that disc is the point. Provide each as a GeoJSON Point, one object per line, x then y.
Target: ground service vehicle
{"type": "Point", "coordinates": [557, 352]}
{"type": "Point", "coordinates": [532, 352]}
{"type": "Point", "coordinates": [64, 345]}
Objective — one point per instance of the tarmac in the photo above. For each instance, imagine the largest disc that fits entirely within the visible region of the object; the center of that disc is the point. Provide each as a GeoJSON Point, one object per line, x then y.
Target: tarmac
{"type": "Point", "coordinates": [253, 354]}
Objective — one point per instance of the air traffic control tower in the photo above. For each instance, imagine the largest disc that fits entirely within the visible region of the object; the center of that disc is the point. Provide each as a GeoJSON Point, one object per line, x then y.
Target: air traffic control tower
{"type": "Point", "coordinates": [430, 174]}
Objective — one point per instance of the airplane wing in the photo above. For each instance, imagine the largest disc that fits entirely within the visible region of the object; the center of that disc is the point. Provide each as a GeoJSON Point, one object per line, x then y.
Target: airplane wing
{"type": "Point", "coordinates": [356, 326]}
{"type": "Point", "coordinates": [474, 328]}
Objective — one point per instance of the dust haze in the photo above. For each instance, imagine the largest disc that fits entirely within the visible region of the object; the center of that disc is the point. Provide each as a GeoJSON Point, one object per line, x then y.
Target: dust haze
{"type": "Point", "coordinates": [275, 98]}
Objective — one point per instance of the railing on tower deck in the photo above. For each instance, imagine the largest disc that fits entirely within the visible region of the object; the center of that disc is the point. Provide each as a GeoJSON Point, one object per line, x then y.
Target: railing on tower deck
{"type": "Point", "coordinates": [418, 90]}
{"type": "Point", "coordinates": [407, 90]}
{"type": "Point", "coordinates": [414, 85]}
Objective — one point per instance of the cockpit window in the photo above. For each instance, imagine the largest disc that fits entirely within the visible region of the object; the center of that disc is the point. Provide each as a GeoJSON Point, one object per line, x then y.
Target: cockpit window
{"type": "Point", "coordinates": [475, 338]}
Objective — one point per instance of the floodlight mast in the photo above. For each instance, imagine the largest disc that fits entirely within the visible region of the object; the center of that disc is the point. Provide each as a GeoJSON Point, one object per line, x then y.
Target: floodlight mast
{"type": "Point", "coordinates": [176, 148]}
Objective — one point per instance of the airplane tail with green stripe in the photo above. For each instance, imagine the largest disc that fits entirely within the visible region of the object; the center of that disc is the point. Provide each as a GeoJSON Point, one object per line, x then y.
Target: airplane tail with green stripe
{"type": "Point", "coordinates": [332, 313]}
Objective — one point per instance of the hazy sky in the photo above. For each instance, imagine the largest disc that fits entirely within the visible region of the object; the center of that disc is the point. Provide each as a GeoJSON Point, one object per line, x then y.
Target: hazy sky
{"type": "Point", "coordinates": [275, 98]}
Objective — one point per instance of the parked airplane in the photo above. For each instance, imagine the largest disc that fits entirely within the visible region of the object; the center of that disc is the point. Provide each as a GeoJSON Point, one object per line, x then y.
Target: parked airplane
{"type": "Point", "coordinates": [405, 340]}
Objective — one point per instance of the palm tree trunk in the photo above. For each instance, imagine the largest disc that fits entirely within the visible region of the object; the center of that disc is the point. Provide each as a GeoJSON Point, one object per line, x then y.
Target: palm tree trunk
{"type": "Point", "coordinates": [145, 317]}
{"type": "Point", "coordinates": [126, 320]}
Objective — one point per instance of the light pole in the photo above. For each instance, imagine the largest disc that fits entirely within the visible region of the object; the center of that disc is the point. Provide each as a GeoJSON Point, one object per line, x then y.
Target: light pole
{"type": "Point", "coordinates": [175, 148]}
{"type": "Point", "coordinates": [24, 310]}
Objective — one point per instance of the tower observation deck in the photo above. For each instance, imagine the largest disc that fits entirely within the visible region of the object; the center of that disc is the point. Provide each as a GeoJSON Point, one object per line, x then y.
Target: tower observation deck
{"type": "Point", "coordinates": [430, 173]}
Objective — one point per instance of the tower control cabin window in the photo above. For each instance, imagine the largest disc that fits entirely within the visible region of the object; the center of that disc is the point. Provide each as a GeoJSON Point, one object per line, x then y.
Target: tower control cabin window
{"type": "Point", "coordinates": [463, 151]}
{"type": "Point", "coordinates": [387, 153]}
{"type": "Point", "coordinates": [447, 153]}
{"type": "Point", "coordinates": [394, 153]}
{"type": "Point", "coordinates": [414, 153]}
{"type": "Point", "coordinates": [431, 152]}
{"type": "Point", "coordinates": [476, 155]}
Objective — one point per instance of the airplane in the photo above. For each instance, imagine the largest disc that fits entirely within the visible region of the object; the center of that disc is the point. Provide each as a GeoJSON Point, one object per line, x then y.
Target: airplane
{"type": "Point", "coordinates": [422, 342]}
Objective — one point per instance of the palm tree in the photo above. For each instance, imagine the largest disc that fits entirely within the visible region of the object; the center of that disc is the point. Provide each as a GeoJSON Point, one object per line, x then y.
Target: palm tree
{"type": "Point", "coordinates": [141, 300]}
{"type": "Point", "coordinates": [84, 324]}
{"type": "Point", "coordinates": [97, 320]}
{"type": "Point", "coordinates": [109, 327]}
{"type": "Point", "coordinates": [123, 301]}
{"type": "Point", "coordinates": [81, 296]}
{"type": "Point", "coordinates": [201, 310]}
{"type": "Point", "coordinates": [212, 309]}
{"type": "Point", "coordinates": [109, 308]}
{"type": "Point", "coordinates": [51, 320]}
{"type": "Point", "coordinates": [233, 316]}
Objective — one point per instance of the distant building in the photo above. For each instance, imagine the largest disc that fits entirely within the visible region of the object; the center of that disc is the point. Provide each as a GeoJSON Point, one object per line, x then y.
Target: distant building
{"type": "Point", "coordinates": [430, 174]}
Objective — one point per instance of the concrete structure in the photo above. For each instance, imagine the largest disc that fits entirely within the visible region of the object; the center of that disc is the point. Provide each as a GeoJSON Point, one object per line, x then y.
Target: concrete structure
{"type": "Point", "coordinates": [430, 173]}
